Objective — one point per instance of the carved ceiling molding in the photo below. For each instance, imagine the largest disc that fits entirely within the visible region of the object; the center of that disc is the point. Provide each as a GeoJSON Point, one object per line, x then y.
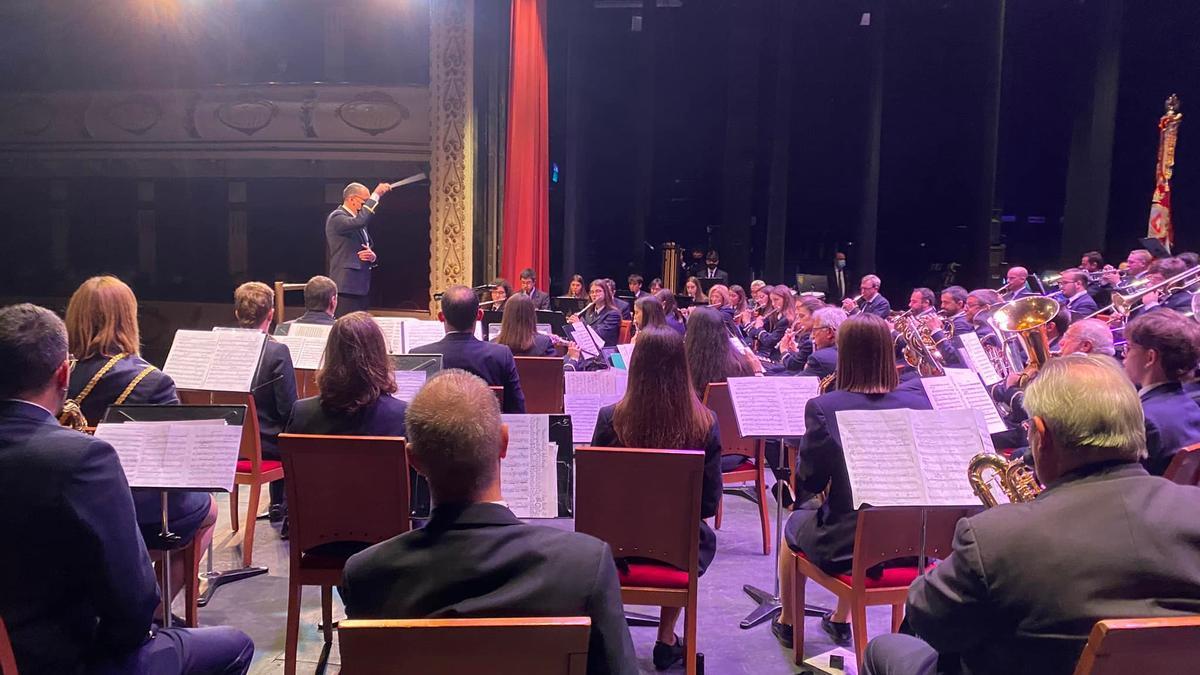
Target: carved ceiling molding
{"type": "Point", "coordinates": [452, 155]}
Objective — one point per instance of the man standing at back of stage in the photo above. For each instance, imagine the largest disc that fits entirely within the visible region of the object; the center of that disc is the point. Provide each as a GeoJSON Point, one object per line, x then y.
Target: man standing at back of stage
{"type": "Point", "coordinates": [351, 256]}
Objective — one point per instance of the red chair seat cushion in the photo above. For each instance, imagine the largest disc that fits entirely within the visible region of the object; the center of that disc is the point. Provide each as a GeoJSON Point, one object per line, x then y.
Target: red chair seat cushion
{"type": "Point", "coordinates": [746, 465]}
{"type": "Point", "coordinates": [892, 577]}
{"type": "Point", "coordinates": [650, 573]}
{"type": "Point", "coordinates": [243, 465]}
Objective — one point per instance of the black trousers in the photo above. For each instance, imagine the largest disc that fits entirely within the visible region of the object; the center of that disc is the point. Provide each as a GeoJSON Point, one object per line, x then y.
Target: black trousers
{"type": "Point", "coordinates": [350, 303]}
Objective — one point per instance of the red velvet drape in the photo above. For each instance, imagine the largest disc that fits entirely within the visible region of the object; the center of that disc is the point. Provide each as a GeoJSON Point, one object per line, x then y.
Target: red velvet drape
{"type": "Point", "coordinates": [526, 240]}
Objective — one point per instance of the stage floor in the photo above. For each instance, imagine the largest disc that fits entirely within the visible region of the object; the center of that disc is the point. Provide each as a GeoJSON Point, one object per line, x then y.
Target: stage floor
{"type": "Point", "coordinates": [258, 606]}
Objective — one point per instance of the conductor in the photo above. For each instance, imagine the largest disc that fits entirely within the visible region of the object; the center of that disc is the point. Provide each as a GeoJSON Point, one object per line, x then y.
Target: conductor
{"type": "Point", "coordinates": [351, 257]}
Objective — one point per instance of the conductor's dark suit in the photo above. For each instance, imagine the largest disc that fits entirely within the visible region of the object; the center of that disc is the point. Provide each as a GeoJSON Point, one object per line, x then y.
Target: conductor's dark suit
{"type": "Point", "coordinates": [346, 234]}
{"type": "Point", "coordinates": [490, 361]}
{"type": "Point", "coordinates": [1172, 422]}
{"type": "Point", "coordinates": [76, 586]}
{"type": "Point", "coordinates": [826, 537]}
{"type": "Point", "coordinates": [1026, 582]}
{"type": "Point", "coordinates": [479, 561]}
{"type": "Point", "coordinates": [383, 417]}
{"type": "Point", "coordinates": [309, 316]}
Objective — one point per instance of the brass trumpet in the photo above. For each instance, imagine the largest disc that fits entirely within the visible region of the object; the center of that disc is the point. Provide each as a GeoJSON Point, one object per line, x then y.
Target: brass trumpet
{"type": "Point", "coordinates": [1014, 478]}
{"type": "Point", "coordinates": [858, 305]}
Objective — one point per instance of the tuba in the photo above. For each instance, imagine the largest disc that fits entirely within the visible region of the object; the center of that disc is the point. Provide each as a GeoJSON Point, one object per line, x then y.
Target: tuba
{"type": "Point", "coordinates": [1014, 478]}
{"type": "Point", "coordinates": [1022, 324]}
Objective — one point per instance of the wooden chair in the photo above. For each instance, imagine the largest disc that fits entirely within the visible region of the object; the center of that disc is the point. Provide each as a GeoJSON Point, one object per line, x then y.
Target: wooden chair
{"type": "Point", "coordinates": [883, 534]}
{"type": "Point", "coordinates": [625, 336]}
{"type": "Point", "coordinates": [8, 662]}
{"type": "Point", "coordinates": [1122, 646]}
{"type": "Point", "coordinates": [499, 392]}
{"type": "Point", "coordinates": [716, 397]}
{"type": "Point", "coordinates": [654, 534]}
{"type": "Point", "coordinates": [282, 288]}
{"type": "Point", "coordinates": [1185, 466]}
{"type": "Point", "coordinates": [192, 554]}
{"type": "Point", "coordinates": [344, 493]}
{"type": "Point", "coordinates": [519, 646]}
{"type": "Point", "coordinates": [306, 383]}
{"type": "Point", "coordinates": [542, 383]}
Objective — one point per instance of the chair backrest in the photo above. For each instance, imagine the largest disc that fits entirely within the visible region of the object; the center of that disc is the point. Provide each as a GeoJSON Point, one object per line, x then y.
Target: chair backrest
{"type": "Point", "coordinates": [1122, 646]}
{"type": "Point", "coordinates": [194, 397]}
{"type": "Point", "coordinates": [718, 400]}
{"type": "Point", "coordinates": [542, 383]}
{"type": "Point", "coordinates": [518, 646]}
{"type": "Point", "coordinates": [8, 661]}
{"type": "Point", "coordinates": [1185, 466]}
{"type": "Point", "coordinates": [344, 488]}
{"type": "Point", "coordinates": [282, 288]}
{"type": "Point", "coordinates": [891, 532]}
{"type": "Point", "coordinates": [626, 334]}
{"type": "Point", "coordinates": [251, 448]}
{"type": "Point", "coordinates": [306, 383]}
{"type": "Point", "coordinates": [661, 524]}
{"type": "Point", "coordinates": [499, 392]}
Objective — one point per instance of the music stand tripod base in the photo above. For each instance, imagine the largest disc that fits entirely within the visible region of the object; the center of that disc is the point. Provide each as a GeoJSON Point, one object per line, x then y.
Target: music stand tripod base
{"type": "Point", "coordinates": [769, 604]}
{"type": "Point", "coordinates": [218, 579]}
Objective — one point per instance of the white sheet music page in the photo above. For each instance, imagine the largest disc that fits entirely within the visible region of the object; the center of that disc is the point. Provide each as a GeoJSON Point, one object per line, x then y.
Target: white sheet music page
{"type": "Point", "coordinates": [881, 458]}
{"type": "Point", "coordinates": [193, 454]}
{"type": "Point", "coordinates": [586, 338]}
{"type": "Point", "coordinates": [978, 358]}
{"type": "Point", "coordinates": [189, 358]}
{"type": "Point", "coordinates": [771, 407]}
{"type": "Point", "coordinates": [586, 392]}
{"type": "Point", "coordinates": [393, 333]}
{"type": "Point", "coordinates": [235, 360]}
{"type": "Point", "coordinates": [976, 398]}
{"type": "Point", "coordinates": [308, 353]}
{"type": "Point", "coordinates": [946, 440]}
{"type": "Point", "coordinates": [418, 333]}
{"type": "Point", "coordinates": [626, 351]}
{"type": "Point", "coordinates": [942, 393]}
{"type": "Point", "coordinates": [528, 476]}
{"type": "Point", "coordinates": [408, 383]}
{"type": "Point", "coordinates": [310, 330]}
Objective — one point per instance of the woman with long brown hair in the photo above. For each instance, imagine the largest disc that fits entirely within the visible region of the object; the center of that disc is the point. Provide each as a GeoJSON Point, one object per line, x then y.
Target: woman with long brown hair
{"type": "Point", "coordinates": [675, 318]}
{"type": "Point", "coordinates": [769, 328]}
{"type": "Point", "coordinates": [711, 356]}
{"type": "Point", "coordinates": [660, 409]}
{"type": "Point", "coordinates": [866, 380]}
{"type": "Point", "coordinates": [797, 345]}
{"type": "Point", "coordinates": [603, 316]}
{"type": "Point", "coordinates": [693, 290]}
{"type": "Point", "coordinates": [576, 288]}
{"type": "Point", "coordinates": [356, 383]}
{"type": "Point", "coordinates": [648, 312]}
{"type": "Point", "coordinates": [102, 333]}
{"type": "Point", "coordinates": [518, 329]}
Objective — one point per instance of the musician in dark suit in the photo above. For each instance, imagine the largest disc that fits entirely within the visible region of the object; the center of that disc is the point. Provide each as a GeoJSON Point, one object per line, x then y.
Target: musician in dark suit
{"type": "Point", "coordinates": [1073, 286]}
{"type": "Point", "coordinates": [541, 301]}
{"type": "Point", "coordinates": [823, 360]}
{"type": "Point", "coordinates": [1092, 263]}
{"type": "Point", "coordinates": [320, 304]}
{"type": "Point", "coordinates": [603, 316]}
{"type": "Point", "coordinates": [1161, 270]}
{"type": "Point", "coordinates": [635, 282]}
{"type": "Point", "coordinates": [1162, 349]}
{"type": "Point", "coordinates": [461, 349]}
{"type": "Point", "coordinates": [711, 269]}
{"type": "Point", "coordinates": [518, 329]}
{"type": "Point", "coordinates": [953, 303]}
{"type": "Point", "coordinates": [625, 308]}
{"type": "Point", "coordinates": [866, 380]}
{"type": "Point", "coordinates": [104, 337]}
{"type": "Point", "coordinates": [274, 385]}
{"type": "Point", "coordinates": [871, 301]}
{"type": "Point", "coordinates": [1026, 582]}
{"type": "Point", "coordinates": [77, 591]}
{"type": "Point", "coordinates": [351, 255]}
{"type": "Point", "coordinates": [1015, 284]}
{"type": "Point", "coordinates": [475, 558]}
{"type": "Point", "coordinates": [768, 329]}
{"type": "Point", "coordinates": [839, 280]}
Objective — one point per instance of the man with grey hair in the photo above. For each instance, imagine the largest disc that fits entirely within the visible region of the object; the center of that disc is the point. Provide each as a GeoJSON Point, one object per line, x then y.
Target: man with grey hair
{"type": "Point", "coordinates": [871, 301]}
{"type": "Point", "coordinates": [320, 304]}
{"type": "Point", "coordinates": [1025, 583]}
{"type": "Point", "coordinates": [1088, 336]}
{"type": "Point", "coordinates": [351, 255]}
{"type": "Point", "coordinates": [77, 590]}
{"type": "Point", "coordinates": [475, 558]}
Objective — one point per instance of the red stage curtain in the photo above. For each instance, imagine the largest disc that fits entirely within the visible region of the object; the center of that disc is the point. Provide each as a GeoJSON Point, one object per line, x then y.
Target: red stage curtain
{"type": "Point", "coordinates": [526, 240]}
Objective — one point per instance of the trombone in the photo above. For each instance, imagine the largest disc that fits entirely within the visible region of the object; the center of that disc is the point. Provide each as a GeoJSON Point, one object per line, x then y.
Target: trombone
{"type": "Point", "coordinates": [1123, 305]}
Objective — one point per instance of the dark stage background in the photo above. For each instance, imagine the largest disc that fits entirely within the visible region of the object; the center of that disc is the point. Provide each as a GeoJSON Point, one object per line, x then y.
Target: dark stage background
{"type": "Point", "coordinates": [972, 132]}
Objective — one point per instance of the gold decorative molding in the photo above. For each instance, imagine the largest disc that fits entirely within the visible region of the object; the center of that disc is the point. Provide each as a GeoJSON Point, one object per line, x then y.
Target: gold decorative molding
{"type": "Point", "coordinates": [452, 150]}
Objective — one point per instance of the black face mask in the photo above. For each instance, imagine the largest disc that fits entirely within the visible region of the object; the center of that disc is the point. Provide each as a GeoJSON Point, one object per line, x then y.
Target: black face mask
{"type": "Point", "coordinates": [712, 265]}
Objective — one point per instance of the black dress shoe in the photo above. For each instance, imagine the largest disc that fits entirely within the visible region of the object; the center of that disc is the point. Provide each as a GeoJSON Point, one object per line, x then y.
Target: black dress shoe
{"type": "Point", "coordinates": [783, 633]}
{"type": "Point", "coordinates": [276, 513]}
{"type": "Point", "coordinates": [838, 632]}
{"type": "Point", "coordinates": [666, 655]}
{"type": "Point", "coordinates": [283, 531]}
{"type": "Point", "coordinates": [782, 486]}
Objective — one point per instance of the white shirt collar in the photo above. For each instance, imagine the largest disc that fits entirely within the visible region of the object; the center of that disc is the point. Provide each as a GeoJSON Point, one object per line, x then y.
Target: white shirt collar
{"type": "Point", "coordinates": [1149, 388]}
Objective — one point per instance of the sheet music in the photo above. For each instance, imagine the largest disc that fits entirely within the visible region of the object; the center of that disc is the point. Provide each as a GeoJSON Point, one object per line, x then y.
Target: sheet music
{"type": "Point", "coordinates": [308, 353]}
{"type": "Point", "coordinates": [197, 454]}
{"type": "Point", "coordinates": [978, 360]}
{"type": "Point", "coordinates": [393, 333]}
{"type": "Point", "coordinates": [190, 357]}
{"type": "Point", "coordinates": [586, 392]}
{"type": "Point", "coordinates": [545, 329]}
{"type": "Point", "coordinates": [588, 340]}
{"type": "Point", "coordinates": [310, 330]}
{"type": "Point", "coordinates": [418, 333]}
{"type": "Point", "coordinates": [772, 407]}
{"type": "Point", "coordinates": [911, 457]}
{"type": "Point", "coordinates": [216, 360]}
{"type": "Point", "coordinates": [626, 351]}
{"type": "Point", "coordinates": [408, 383]}
{"type": "Point", "coordinates": [976, 398]}
{"type": "Point", "coordinates": [493, 331]}
{"type": "Point", "coordinates": [528, 476]}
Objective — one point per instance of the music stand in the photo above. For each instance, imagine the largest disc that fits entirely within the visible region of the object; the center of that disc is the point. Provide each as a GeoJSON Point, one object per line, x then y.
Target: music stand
{"type": "Point", "coordinates": [557, 320]}
{"type": "Point", "coordinates": [233, 415]}
{"type": "Point", "coordinates": [491, 317]}
{"type": "Point", "coordinates": [430, 364]}
{"type": "Point", "coordinates": [684, 301]}
{"type": "Point", "coordinates": [812, 283]}
{"type": "Point", "coordinates": [567, 305]}
{"type": "Point", "coordinates": [706, 284]}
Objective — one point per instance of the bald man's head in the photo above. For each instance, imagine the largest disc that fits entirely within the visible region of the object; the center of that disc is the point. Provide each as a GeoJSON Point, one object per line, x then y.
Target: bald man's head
{"type": "Point", "coordinates": [455, 436]}
{"type": "Point", "coordinates": [460, 308]}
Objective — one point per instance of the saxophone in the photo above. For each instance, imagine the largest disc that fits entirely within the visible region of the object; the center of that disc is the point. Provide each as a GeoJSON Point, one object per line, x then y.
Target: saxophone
{"type": "Point", "coordinates": [1014, 478]}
